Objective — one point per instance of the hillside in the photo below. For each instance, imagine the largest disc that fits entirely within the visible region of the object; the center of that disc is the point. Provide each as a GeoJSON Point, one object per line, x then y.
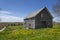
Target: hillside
{"type": "Point", "coordinates": [20, 33]}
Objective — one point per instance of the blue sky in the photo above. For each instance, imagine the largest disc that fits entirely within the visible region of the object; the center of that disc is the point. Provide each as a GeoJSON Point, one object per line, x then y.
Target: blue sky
{"type": "Point", "coordinates": [16, 10]}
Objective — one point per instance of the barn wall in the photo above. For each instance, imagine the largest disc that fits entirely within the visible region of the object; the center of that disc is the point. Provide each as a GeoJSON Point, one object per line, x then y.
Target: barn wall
{"type": "Point", "coordinates": [46, 17]}
{"type": "Point", "coordinates": [50, 23]}
{"type": "Point", "coordinates": [30, 23]}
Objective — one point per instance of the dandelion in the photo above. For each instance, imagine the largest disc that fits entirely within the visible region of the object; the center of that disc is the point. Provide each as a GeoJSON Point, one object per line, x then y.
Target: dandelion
{"type": "Point", "coordinates": [26, 32]}
{"type": "Point", "coordinates": [51, 31]}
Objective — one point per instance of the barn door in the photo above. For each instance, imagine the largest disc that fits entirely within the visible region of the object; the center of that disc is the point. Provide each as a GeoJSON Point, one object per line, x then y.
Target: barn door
{"type": "Point", "coordinates": [44, 25]}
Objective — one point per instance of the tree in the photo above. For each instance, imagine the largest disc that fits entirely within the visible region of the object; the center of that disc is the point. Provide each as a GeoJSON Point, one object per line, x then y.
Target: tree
{"type": "Point", "coordinates": [0, 12]}
{"type": "Point", "coordinates": [0, 19]}
{"type": "Point", "coordinates": [56, 8]}
{"type": "Point", "coordinates": [56, 11]}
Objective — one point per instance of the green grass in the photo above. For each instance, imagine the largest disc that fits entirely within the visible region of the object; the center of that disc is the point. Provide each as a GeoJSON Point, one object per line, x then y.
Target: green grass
{"type": "Point", "coordinates": [20, 33]}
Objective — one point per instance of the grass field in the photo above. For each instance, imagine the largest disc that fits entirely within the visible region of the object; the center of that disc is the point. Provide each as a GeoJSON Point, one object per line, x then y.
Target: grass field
{"type": "Point", "coordinates": [20, 33]}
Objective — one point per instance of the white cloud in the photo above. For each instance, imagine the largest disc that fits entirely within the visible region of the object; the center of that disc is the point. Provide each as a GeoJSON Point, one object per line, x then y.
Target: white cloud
{"type": "Point", "coordinates": [5, 12]}
{"type": "Point", "coordinates": [5, 17]}
{"type": "Point", "coordinates": [57, 19]}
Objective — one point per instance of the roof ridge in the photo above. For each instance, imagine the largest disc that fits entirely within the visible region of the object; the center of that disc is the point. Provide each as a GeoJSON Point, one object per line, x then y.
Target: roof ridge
{"type": "Point", "coordinates": [33, 14]}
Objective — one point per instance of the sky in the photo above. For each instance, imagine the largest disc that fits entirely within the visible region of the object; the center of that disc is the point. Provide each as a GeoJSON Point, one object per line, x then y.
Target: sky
{"type": "Point", "coordinates": [17, 10]}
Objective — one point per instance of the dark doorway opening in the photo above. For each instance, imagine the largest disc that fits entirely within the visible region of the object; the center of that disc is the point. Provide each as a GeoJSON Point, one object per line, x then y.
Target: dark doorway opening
{"type": "Point", "coordinates": [29, 26]}
{"type": "Point", "coordinates": [44, 24]}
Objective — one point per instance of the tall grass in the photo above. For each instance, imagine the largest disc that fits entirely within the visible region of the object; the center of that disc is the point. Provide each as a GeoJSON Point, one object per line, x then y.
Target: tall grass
{"type": "Point", "coordinates": [20, 33]}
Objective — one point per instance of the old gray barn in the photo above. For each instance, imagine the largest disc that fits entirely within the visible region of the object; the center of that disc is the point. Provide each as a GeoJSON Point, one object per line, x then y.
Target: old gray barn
{"type": "Point", "coordinates": [39, 19]}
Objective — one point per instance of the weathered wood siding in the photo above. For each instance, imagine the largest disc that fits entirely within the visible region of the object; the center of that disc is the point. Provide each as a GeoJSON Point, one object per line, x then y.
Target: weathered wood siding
{"type": "Point", "coordinates": [30, 23]}
{"type": "Point", "coordinates": [42, 19]}
{"type": "Point", "coordinates": [46, 17]}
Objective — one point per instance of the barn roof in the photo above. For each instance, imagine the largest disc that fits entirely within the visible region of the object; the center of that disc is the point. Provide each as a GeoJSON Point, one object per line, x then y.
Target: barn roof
{"type": "Point", "coordinates": [35, 13]}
